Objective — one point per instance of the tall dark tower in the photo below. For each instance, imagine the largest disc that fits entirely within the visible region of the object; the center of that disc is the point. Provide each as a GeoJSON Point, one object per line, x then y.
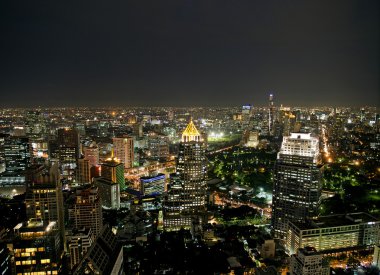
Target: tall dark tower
{"type": "Point", "coordinates": [185, 202]}
{"type": "Point", "coordinates": [270, 115]}
{"type": "Point", "coordinates": [297, 181]}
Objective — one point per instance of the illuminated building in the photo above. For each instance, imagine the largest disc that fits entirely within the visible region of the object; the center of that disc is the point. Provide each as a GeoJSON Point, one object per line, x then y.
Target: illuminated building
{"type": "Point", "coordinates": [109, 192]}
{"type": "Point", "coordinates": [252, 139]}
{"type": "Point", "coordinates": [68, 150]}
{"type": "Point", "coordinates": [17, 154]}
{"type": "Point", "coordinates": [92, 154]}
{"type": "Point", "coordinates": [297, 181]}
{"type": "Point", "coordinates": [37, 248]}
{"type": "Point", "coordinates": [271, 117]}
{"type": "Point", "coordinates": [185, 202]}
{"type": "Point", "coordinates": [158, 147]}
{"type": "Point", "coordinates": [35, 124]}
{"type": "Point", "coordinates": [124, 150]}
{"type": "Point", "coordinates": [105, 256]}
{"type": "Point", "coordinates": [154, 185]}
{"type": "Point", "coordinates": [68, 142]}
{"type": "Point", "coordinates": [86, 211]}
{"type": "Point", "coordinates": [308, 261]}
{"type": "Point", "coordinates": [83, 171]}
{"type": "Point", "coordinates": [43, 198]}
{"type": "Point", "coordinates": [112, 169]}
{"type": "Point", "coordinates": [246, 113]}
{"type": "Point", "coordinates": [335, 232]}
{"type": "Point", "coordinates": [79, 243]}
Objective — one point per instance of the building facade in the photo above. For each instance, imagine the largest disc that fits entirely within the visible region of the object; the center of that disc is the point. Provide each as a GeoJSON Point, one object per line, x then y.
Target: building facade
{"type": "Point", "coordinates": [86, 211]}
{"type": "Point", "coordinates": [153, 185]}
{"type": "Point", "coordinates": [124, 150]}
{"type": "Point", "coordinates": [297, 181]}
{"type": "Point", "coordinates": [185, 202]}
{"type": "Point", "coordinates": [330, 233]}
{"type": "Point", "coordinates": [308, 261]}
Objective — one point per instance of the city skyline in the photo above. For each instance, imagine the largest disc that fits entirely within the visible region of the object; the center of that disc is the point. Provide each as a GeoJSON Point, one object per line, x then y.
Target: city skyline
{"type": "Point", "coordinates": [197, 54]}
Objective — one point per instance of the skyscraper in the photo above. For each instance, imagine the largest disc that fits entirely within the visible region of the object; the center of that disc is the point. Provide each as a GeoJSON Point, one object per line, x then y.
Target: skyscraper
{"type": "Point", "coordinates": [37, 248]}
{"type": "Point", "coordinates": [270, 115]}
{"type": "Point", "coordinates": [124, 150]}
{"type": "Point", "coordinates": [68, 148]}
{"type": "Point", "coordinates": [297, 185]}
{"type": "Point", "coordinates": [86, 212]}
{"type": "Point", "coordinates": [92, 154]}
{"type": "Point", "coordinates": [83, 171]}
{"type": "Point", "coordinates": [43, 199]}
{"type": "Point", "coordinates": [185, 202]}
{"type": "Point", "coordinates": [112, 169]}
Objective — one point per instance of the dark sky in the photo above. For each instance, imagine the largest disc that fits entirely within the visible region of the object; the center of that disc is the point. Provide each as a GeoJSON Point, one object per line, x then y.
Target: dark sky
{"type": "Point", "coordinates": [182, 52]}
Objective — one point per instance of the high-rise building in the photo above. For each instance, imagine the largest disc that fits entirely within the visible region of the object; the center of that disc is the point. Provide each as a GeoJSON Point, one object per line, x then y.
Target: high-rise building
{"type": "Point", "coordinates": [68, 150]}
{"type": "Point", "coordinates": [37, 248]}
{"type": "Point", "coordinates": [17, 154]}
{"type": "Point", "coordinates": [43, 198]}
{"type": "Point", "coordinates": [124, 150]}
{"type": "Point", "coordinates": [297, 181]}
{"type": "Point", "coordinates": [112, 169]}
{"type": "Point", "coordinates": [79, 243]}
{"type": "Point", "coordinates": [271, 117]}
{"type": "Point", "coordinates": [68, 142]}
{"type": "Point", "coordinates": [86, 211]}
{"type": "Point", "coordinates": [92, 154]}
{"type": "Point", "coordinates": [153, 185]}
{"type": "Point", "coordinates": [109, 192]}
{"type": "Point", "coordinates": [83, 174]}
{"type": "Point", "coordinates": [308, 261]}
{"type": "Point", "coordinates": [105, 256]}
{"type": "Point", "coordinates": [185, 202]}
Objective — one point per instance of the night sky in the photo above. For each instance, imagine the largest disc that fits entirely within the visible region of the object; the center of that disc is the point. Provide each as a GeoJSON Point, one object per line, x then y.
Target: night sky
{"type": "Point", "coordinates": [187, 53]}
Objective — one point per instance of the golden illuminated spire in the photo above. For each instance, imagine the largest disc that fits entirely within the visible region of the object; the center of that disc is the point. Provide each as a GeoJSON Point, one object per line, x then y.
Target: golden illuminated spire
{"type": "Point", "coordinates": [191, 133]}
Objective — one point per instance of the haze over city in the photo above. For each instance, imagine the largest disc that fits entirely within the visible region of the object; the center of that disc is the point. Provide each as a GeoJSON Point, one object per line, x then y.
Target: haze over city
{"type": "Point", "coordinates": [189, 53]}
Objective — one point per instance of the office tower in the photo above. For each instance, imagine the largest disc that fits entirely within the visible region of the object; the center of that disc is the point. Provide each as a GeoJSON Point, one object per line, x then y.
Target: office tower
{"type": "Point", "coordinates": [297, 181]}
{"type": "Point", "coordinates": [68, 142]}
{"type": "Point", "coordinates": [153, 185]}
{"type": "Point", "coordinates": [83, 171]}
{"type": "Point", "coordinates": [91, 153]}
{"type": "Point", "coordinates": [158, 147]}
{"type": "Point", "coordinates": [109, 192]}
{"type": "Point", "coordinates": [252, 139]}
{"type": "Point", "coordinates": [246, 113]}
{"type": "Point", "coordinates": [37, 248]}
{"type": "Point", "coordinates": [185, 203]}
{"type": "Point", "coordinates": [112, 169]}
{"type": "Point", "coordinates": [334, 232]}
{"type": "Point", "coordinates": [68, 149]}
{"type": "Point", "coordinates": [308, 261]}
{"type": "Point", "coordinates": [79, 243]}
{"type": "Point", "coordinates": [124, 150]}
{"type": "Point", "coordinates": [271, 117]}
{"type": "Point", "coordinates": [35, 124]}
{"type": "Point", "coordinates": [86, 211]}
{"type": "Point", "coordinates": [43, 198]}
{"type": "Point", "coordinates": [104, 257]}
{"type": "Point", "coordinates": [17, 154]}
